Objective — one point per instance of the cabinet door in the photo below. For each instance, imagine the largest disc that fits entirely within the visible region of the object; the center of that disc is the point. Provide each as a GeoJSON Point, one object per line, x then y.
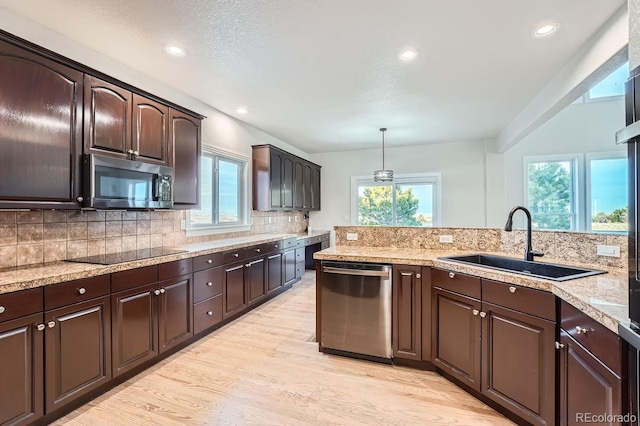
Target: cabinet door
{"type": "Point", "coordinates": [519, 348]}
{"type": "Point", "coordinates": [107, 118]}
{"type": "Point", "coordinates": [456, 328]}
{"type": "Point", "coordinates": [308, 193]}
{"type": "Point", "coordinates": [275, 179]}
{"type": "Point", "coordinates": [185, 139]}
{"type": "Point", "coordinates": [287, 182]}
{"type": "Point", "coordinates": [77, 351]}
{"type": "Point", "coordinates": [175, 313]}
{"type": "Point", "coordinates": [289, 265]}
{"type": "Point", "coordinates": [426, 313]}
{"type": "Point", "coordinates": [21, 369]}
{"type": "Point", "coordinates": [234, 294]}
{"type": "Point", "coordinates": [255, 276]}
{"type": "Point", "coordinates": [407, 312]}
{"type": "Point", "coordinates": [40, 131]}
{"type": "Point", "coordinates": [586, 385]}
{"type": "Point", "coordinates": [298, 185]}
{"type": "Point", "coordinates": [150, 125]}
{"type": "Point", "coordinates": [315, 188]}
{"type": "Point", "coordinates": [134, 325]}
{"type": "Point", "coordinates": [273, 272]}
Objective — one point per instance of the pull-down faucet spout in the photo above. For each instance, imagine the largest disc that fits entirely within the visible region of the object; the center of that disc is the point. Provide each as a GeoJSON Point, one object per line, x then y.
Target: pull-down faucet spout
{"type": "Point", "coordinates": [528, 251]}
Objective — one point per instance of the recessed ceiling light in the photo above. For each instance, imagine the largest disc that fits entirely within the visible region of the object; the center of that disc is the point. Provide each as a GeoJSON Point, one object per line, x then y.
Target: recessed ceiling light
{"type": "Point", "coordinates": [174, 50]}
{"type": "Point", "coordinates": [408, 55]}
{"type": "Point", "coordinates": [242, 110]}
{"type": "Point", "coordinates": [545, 30]}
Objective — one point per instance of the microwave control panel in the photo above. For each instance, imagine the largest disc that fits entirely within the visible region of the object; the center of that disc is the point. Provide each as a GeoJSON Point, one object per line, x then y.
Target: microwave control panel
{"type": "Point", "coordinates": [165, 188]}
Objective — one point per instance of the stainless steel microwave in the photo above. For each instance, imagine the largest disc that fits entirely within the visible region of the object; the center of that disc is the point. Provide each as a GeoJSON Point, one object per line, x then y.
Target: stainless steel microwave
{"type": "Point", "coordinates": [114, 183]}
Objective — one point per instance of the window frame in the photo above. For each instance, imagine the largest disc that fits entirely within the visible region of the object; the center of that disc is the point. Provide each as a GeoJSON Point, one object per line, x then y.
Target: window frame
{"type": "Point", "coordinates": [244, 191]}
{"type": "Point", "coordinates": [434, 178]}
{"type": "Point", "coordinates": [590, 156]}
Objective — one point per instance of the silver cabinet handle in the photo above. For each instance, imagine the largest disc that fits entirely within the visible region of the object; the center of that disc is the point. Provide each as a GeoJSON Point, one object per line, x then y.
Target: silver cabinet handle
{"type": "Point", "coordinates": [475, 312]}
{"type": "Point", "coordinates": [162, 290]}
{"type": "Point", "coordinates": [451, 275]}
{"type": "Point", "coordinates": [156, 292]}
{"type": "Point", "coordinates": [559, 345]}
{"type": "Point", "coordinates": [483, 314]}
{"type": "Point", "coordinates": [79, 199]}
{"type": "Point", "coordinates": [210, 261]}
{"type": "Point", "coordinates": [275, 246]}
{"type": "Point", "coordinates": [130, 151]}
{"type": "Point", "coordinates": [2, 309]}
{"type": "Point", "coordinates": [51, 324]}
{"type": "Point", "coordinates": [582, 330]}
{"type": "Point", "coordinates": [209, 284]}
{"type": "Point", "coordinates": [512, 289]}
{"type": "Point", "coordinates": [82, 290]}
{"type": "Point", "coordinates": [136, 153]}
{"type": "Point", "coordinates": [40, 327]}
{"type": "Point", "coordinates": [235, 255]}
{"type": "Point", "coordinates": [418, 276]}
{"type": "Point", "coordinates": [257, 250]}
{"type": "Point", "coordinates": [210, 313]}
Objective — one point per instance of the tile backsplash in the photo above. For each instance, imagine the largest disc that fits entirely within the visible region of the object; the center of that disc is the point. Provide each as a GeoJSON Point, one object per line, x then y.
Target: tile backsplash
{"type": "Point", "coordinates": [577, 247]}
{"type": "Point", "coordinates": [41, 236]}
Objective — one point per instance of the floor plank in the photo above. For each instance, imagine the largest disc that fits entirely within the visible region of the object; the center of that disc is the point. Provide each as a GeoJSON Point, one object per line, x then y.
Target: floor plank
{"type": "Point", "coordinates": [262, 370]}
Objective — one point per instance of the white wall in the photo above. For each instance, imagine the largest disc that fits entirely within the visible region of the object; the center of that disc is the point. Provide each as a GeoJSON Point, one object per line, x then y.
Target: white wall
{"type": "Point", "coordinates": [579, 128]}
{"type": "Point", "coordinates": [462, 166]}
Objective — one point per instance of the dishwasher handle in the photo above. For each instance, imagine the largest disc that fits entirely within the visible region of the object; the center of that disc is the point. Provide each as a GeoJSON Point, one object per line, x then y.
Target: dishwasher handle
{"type": "Point", "coordinates": [360, 272]}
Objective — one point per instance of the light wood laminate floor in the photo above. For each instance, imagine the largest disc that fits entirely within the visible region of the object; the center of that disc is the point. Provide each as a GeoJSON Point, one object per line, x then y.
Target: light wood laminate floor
{"type": "Point", "coordinates": [262, 370]}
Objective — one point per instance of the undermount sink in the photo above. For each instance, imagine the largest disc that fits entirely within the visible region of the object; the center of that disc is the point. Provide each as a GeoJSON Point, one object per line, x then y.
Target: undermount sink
{"type": "Point", "coordinates": [548, 271]}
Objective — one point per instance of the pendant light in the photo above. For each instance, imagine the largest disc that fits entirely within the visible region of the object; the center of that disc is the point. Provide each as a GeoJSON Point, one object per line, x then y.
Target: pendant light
{"type": "Point", "coordinates": [383, 175]}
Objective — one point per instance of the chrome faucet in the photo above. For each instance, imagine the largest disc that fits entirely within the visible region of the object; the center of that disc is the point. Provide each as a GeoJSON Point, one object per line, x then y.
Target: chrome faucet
{"type": "Point", "coordinates": [528, 251]}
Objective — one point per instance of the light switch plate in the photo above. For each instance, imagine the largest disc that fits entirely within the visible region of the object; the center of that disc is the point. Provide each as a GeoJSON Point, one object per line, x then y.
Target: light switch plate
{"type": "Point", "coordinates": [183, 224]}
{"type": "Point", "coordinates": [609, 251]}
{"type": "Point", "coordinates": [352, 236]}
{"type": "Point", "coordinates": [446, 238]}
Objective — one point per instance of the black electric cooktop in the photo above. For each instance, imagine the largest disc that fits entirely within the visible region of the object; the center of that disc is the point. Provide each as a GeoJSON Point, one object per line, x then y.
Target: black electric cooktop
{"type": "Point", "coordinates": [126, 256]}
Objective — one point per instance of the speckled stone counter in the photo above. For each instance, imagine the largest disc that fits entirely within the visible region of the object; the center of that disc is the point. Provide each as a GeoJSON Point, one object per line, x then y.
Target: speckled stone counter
{"type": "Point", "coordinates": [602, 297]}
{"type": "Point", "coordinates": [21, 278]}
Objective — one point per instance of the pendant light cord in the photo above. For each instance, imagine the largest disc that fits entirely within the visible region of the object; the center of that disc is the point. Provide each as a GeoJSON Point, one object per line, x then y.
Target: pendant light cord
{"type": "Point", "coordinates": [383, 130]}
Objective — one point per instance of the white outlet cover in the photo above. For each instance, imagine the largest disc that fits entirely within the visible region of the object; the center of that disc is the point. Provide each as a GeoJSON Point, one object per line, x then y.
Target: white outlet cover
{"type": "Point", "coordinates": [446, 238]}
{"type": "Point", "coordinates": [608, 251]}
{"type": "Point", "coordinates": [352, 236]}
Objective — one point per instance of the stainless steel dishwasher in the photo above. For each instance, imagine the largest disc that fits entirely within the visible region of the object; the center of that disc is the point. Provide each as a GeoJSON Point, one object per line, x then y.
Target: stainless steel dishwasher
{"type": "Point", "coordinates": [356, 310]}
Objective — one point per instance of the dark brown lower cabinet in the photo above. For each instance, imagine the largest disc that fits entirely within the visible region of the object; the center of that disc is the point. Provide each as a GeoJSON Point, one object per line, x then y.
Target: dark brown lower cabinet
{"type": "Point", "coordinates": [407, 312]}
{"type": "Point", "coordinates": [134, 327]}
{"type": "Point", "coordinates": [256, 284]}
{"type": "Point", "coordinates": [234, 293]}
{"type": "Point", "coordinates": [587, 386]}
{"type": "Point", "coordinates": [21, 370]}
{"type": "Point", "coordinates": [175, 312]}
{"type": "Point", "coordinates": [456, 344]}
{"type": "Point", "coordinates": [518, 363]}
{"type": "Point", "coordinates": [273, 272]}
{"type": "Point", "coordinates": [77, 351]}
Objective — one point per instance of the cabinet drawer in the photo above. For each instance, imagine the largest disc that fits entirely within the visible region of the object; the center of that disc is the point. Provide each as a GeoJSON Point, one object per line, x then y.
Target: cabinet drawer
{"type": "Point", "coordinates": [174, 269]}
{"type": "Point", "coordinates": [207, 313]}
{"type": "Point", "coordinates": [231, 256]}
{"type": "Point", "coordinates": [273, 246]}
{"type": "Point", "coordinates": [528, 300]}
{"type": "Point", "coordinates": [313, 240]}
{"type": "Point", "coordinates": [20, 303]}
{"type": "Point", "coordinates": [599, 340]}
{"type": "Point", "coordinates": [255, 251]}
{"type": "Point", "coordinates": [300, 254]}
{"type": "Point", "coordinates": [290, 242]}
{"type": "Point", "coordinates": [459, 283]}
{"type": "Point", "coordinates": [207, 261]}
{"type": "Point", "coordinates": [300, 269]}
{"type": "Point", "coordinates": [58, 295]}
{"type": "Point", "coordinates": [132, 278]}
{"type": "Point", "coordinates": [207, 283]}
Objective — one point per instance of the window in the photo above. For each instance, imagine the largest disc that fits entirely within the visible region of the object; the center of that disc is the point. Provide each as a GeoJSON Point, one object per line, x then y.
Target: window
{"type": "Point", "coordinates": [609, 88]}
{"type": "Point", "coordinates": [410, 200]}
{"type": "Point", "coordinates": [560, 198]}
{"type": "Point", "coordinates": [223, 195]}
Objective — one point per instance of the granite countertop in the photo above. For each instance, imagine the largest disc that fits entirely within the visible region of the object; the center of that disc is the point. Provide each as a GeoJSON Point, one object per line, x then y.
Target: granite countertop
{"type": "Point", "coordinates": [602, 297]}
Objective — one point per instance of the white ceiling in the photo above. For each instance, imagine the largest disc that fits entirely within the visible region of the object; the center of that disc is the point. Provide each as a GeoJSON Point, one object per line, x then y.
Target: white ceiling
{"type": "Point", "coordinates": [324, 75]}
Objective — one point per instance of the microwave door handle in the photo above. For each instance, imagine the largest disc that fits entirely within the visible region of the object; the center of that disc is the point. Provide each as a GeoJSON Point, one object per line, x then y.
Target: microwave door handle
{"type": "Point", "coordinates": [156, 187]}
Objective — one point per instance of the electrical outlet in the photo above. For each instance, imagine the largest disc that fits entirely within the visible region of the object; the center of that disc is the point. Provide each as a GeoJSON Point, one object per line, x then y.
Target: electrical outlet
{"type": "Point", "coordinates": [446, 238]}
{"type": "Point", "coordinates": [345, 218]}
{"type": "Point", "coordinates": [269, 219]}
{"type": "Point", "coordinates": [289, 219]}
{"type": "Point", "coordinates": [609, 251]}
{"type": "Point", "coordinates": [297, 219]}
{"type": "Point", "coordinates": [352, 236]}
{"type": "Point", "coordinates": [183, 224]}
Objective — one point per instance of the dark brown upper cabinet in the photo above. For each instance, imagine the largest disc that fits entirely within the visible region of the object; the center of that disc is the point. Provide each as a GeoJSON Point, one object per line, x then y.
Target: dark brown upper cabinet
{"type": "Point", "coordinates": [282, 181]}
{"type": "Point", "coordinates": [40, 131]}
{"type": "Point", "coordinates": [185, 138]}
{"type": "Point", "coordinates": [150, 131]}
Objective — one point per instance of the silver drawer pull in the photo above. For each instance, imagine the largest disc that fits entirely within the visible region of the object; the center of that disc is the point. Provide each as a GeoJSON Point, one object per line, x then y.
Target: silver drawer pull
{"type": "Point", "coordinates": [475, 312]}
{"type": "Point", "coordinates": [162, 290]}
{"type": "Point", "coordinates": [235, 255]}
{"type": "Point", "coordinates": [209, 284]}
{"type": "Point", "coordinates": [40, 327]}
{"type": "Point", "coordinates": [451, 275]}
{"type": "Point", "coordinates": [136, 153]}
{"type": "Point", "coordinates": [51, 324]}
{"type": "Point", "coordinates": [258, 250]}
{"type": "Point", "coordinates": [483, 314]}
{"type": "Point", "coordinates": [156, 292]}
{"type": "Point", "coordinates": [210, 261]}
{"type": "Point", "coordinates": [512, 289]}
{"type": "Point", "coordinates": [130, 151]}
{"type": "Point", "coordinates": [210, 313]}
{"type": "Point", "coordinates": [2, 309]}
{"type": "Point", "coordinates": [582, 330]}
{"type": "Point", "coordinates": [418, 276]}
{"type": "Point", "coordinates": [82, 290]}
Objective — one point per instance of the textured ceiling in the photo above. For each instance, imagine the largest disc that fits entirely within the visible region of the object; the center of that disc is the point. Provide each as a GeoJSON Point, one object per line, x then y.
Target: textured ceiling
{"type": "Point", "coordinates": [324, 75]}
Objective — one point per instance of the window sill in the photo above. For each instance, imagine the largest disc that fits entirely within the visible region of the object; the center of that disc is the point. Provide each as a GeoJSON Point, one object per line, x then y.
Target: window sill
{"type": "Point", "coordinates": [196, 232]}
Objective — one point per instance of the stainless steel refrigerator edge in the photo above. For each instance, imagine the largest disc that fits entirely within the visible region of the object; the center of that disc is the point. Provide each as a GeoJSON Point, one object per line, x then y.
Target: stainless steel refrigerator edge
{"type": "Point", "coordinates": [356, 309]}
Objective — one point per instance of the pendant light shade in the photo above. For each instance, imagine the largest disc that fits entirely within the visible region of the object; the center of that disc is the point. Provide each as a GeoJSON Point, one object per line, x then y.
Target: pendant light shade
{"type": "Point", "coordinates": [383, 175]}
